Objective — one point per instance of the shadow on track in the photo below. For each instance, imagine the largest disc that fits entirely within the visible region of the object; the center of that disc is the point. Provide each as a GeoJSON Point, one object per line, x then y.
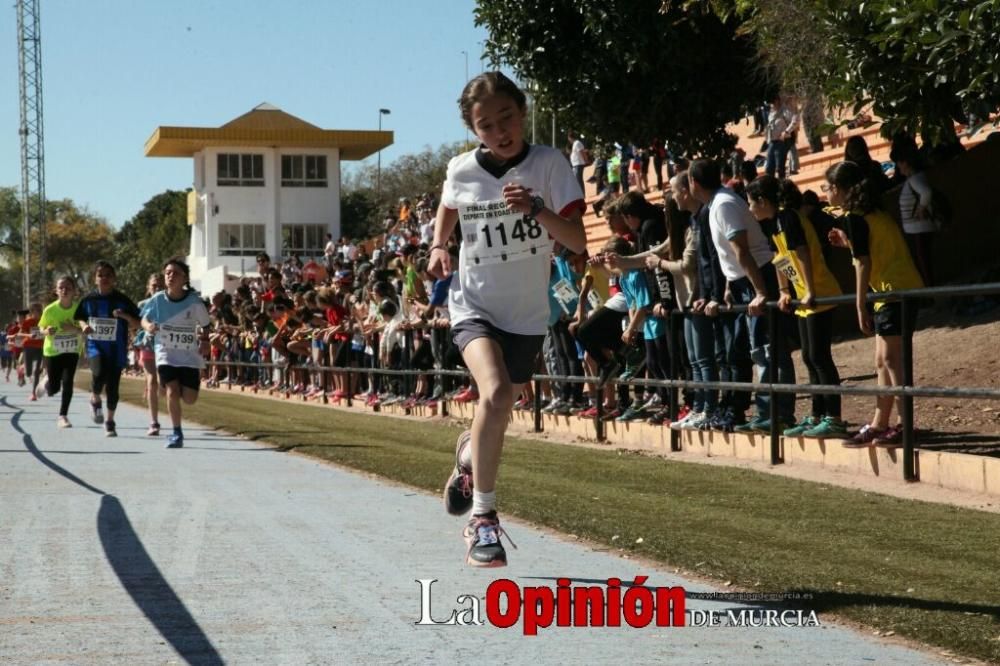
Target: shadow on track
{"type": "Point", "coordinates": [136, 571]}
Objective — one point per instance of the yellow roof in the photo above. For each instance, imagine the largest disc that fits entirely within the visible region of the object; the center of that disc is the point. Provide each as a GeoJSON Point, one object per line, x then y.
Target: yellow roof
{"type": "Point", "coordinates": [268, 126]}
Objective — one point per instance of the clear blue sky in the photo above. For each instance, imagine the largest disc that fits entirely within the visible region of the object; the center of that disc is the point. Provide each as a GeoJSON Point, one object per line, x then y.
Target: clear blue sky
{"type": "Point", "coordinates": [114, 70]}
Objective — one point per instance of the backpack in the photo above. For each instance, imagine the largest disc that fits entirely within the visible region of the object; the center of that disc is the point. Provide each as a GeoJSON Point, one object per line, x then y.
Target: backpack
{"type": "Point", "coordinates": [940, 209]}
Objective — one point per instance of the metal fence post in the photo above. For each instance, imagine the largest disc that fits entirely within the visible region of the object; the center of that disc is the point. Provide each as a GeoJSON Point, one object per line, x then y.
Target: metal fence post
{"type": "Point", "coordinates": [906, 402]}
{"type": "Point", "coordinates": [774, 343]}
{"type": "Point", "coordinates": [675, 370]}
{"type": "Point", "coordinates": [537, 406]}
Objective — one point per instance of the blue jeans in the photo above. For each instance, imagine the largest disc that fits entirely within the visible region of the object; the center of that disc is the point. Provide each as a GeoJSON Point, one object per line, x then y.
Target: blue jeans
{"type": "Point", "coordinates": [777, 153]}
{"type": "Point", "coordinates": [733, 359]}
{"type": "Point", "coordinates": [699, 336]}
{"type": "Point", "coordinates": [761, 348]}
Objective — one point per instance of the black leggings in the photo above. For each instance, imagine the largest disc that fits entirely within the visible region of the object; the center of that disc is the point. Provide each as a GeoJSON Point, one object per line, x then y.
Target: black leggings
{"type": "Point", "coordinates": [567, 360]}
{"type": "Point", "coordinates": [61, 370]}
{"type": "Point", "coordinates": [105, 375]}
{"type": "Point", "coordinates": [814, 334]}
{"type": "Point", "coordinates": [33, 365]}
{"type": "Point", "coordinates": [658, 362]}
{"type": "Point", "coordinates": [601, 331]}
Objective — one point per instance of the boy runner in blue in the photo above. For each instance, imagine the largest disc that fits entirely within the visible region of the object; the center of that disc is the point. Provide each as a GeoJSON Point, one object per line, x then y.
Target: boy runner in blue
{"type": "Point", "coordinates": [177, 317]}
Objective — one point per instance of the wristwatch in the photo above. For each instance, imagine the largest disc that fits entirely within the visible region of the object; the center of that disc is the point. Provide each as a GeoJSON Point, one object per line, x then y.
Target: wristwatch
{"type": "Point", "coordinates": [537, 204]}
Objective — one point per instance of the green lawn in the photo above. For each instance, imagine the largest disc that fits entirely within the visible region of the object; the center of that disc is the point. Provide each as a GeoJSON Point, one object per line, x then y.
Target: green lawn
{"type": "Point", "coordinates": [925, 571]}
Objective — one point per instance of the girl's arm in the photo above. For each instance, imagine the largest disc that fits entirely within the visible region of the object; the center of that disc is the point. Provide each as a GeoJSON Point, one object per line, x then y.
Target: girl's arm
{"type": "Point", "coordinates": [805, 260]}
{"type": "Point", "coordinates": [444, 226]}
{"type": "Point", "coordinates": [863, 271]}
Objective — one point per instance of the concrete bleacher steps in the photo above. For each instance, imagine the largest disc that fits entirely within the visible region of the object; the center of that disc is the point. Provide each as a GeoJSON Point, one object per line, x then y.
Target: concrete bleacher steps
{"type": "Point", "coordinates": [943, 469]}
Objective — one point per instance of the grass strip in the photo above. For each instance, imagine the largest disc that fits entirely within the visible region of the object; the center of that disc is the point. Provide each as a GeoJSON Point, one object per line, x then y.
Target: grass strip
{"type": "Point", "coordinates": [924, 571]}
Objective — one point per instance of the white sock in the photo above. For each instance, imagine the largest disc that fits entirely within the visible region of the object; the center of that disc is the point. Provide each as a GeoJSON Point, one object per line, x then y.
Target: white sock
{"type": "Point", "coordinates": [483, 502]}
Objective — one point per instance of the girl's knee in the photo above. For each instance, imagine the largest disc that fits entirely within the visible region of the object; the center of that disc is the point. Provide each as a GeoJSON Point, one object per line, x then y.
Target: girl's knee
{"type": "Point", "coordinates": [497, 397]}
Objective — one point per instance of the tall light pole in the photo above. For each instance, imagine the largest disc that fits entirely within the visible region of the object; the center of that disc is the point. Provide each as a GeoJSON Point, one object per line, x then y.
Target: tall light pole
{"type": "Point", "coordinates": [466, 54]}
{"type": "Point", "coordinates": [378, 169]}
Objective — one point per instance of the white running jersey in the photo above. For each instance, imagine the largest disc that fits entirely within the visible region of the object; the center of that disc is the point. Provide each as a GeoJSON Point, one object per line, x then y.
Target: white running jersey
{"type": "Point", "coordinates": [503, 265]}
{"type": "Point", "coordinates": [177, 340]}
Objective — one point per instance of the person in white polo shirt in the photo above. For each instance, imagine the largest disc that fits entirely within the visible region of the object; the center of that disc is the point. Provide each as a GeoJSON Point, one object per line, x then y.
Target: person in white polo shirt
{"type": "Point", "coordinates": [745, 258]}
{"type": "Point", "coordinates": [511, 201]}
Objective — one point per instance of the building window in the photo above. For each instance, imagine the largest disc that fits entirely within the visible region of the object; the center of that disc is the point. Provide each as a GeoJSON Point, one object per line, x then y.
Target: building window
{"type": "Point", "coordinates": [243, 170]}
{"type": "Point", "coordinates": [303, 170]}
{"type": "Point", "coordinates": [303, 239]}
{"type": "Point", "coordinates": [240, 240]}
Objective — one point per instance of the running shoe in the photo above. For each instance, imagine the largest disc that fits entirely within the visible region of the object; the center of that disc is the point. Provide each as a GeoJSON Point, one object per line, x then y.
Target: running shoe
{"type": "Point", "coordinates": [63, 422]}
{"type": "Point", "coordinates": [799, 428]}
{"type": "Point", "coordinates": [554, 406]}
{"type": "Point", "coordinates": [175, 441]}
{"type": "Point", "coordinates": [687, 421]}
{"type": "Point", "coordinates": [468, 395]}
{"type": "Point", "coordinates": [612, 414]}
{"type": "Point", "coordinates": [660, 417]}
{"type": "Point", "coordinates": [109, 429]}
{"type": "Point", "coordinates": [154, 430]}
{"type": "Point", "coordinates": [458, 489]}
{"type": "Point", "coordinates": [482, 536]}
{"type": "Point", "coordinates": [829, 426]}
{"type": "Point", "coordinates": [891, 438]}
{"type": "Point", "coordinates": [756, 424]}
{"type": "Point", "coordinates": [589, 413]}
{"type": "Point", "coordinates": [631, 414]}
{"type": "Point", "coordinates": [863, 438]}
{"type": "Point", "coordinates": [96, 413]}
{"type": "Point", "coordinates": [728, 421]}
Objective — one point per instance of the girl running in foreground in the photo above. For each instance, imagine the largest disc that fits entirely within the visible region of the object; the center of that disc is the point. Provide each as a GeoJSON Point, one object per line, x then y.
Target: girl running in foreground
{"type": "Point", "coordinates": [62, 345]}
{"type": "Point", "coordinates": [511, 200]}
{"type": "Point", "coordinates": [174, 317]}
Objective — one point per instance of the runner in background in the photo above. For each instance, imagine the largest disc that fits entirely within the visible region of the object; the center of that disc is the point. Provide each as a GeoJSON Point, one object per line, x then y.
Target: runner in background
{"type": "Point", "coordinates": [511, 200]}
{"type": "Point", "coordinates": [15, 346]}
{"type": "Point", "coordinates": [62, 345]}
{"type": "Point", "coordinates": [105, 315]}
{"type": "Point", "coordinates": [177, 318]}
{"type": "Point", "coordinates": [32, 341]}
{"type": "Point", "coordinates": [147, 359]}
{"type": "Point", "coordinates": [6, 356]}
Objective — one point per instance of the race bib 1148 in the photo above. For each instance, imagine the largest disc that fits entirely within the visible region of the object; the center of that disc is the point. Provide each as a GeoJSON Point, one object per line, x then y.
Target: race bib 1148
{"type": "Point", "coordinates": [494, 234]}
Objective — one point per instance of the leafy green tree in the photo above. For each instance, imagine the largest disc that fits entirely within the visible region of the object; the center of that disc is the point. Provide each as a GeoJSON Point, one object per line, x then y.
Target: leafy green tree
{"type": "Point", "coordinates": [156, 233]}
{"type": "Point", "coordinates": [923, 63]}
{"type": "Point", "coordinates": [362, 211]}
{"type": "Point", "coordinates": [75, 240]}
{"type": "Point", "coordinates": [628, 69]}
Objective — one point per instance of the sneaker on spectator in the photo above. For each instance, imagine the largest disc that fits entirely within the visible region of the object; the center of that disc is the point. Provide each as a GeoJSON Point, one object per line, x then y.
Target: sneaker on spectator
{"type": "Point", "coordinates": [687, 422]}
{"type": "Point", "coordinates": [482, 536]}
{"type": "Point", "coordinates": [727, 421]}
{"type": "Point", "coordinates": [565, 409]}
{"type": "Point", "coordinates": [863, 438]}
{"type": "Point", "coordinates": [753, 425]}
{"type": "Point", "coordinates": [660, 417]}
{"type": "Point", "coordinates": [829, 426]}
{"type": "Point", "coordinates": [683, 412]}
{"type": "Point", "coordinates": [468, 395]}
{"type": "Point", "coordinates": [799, 428]}
{"type": "Point", "coordinates": [458, 489]}
{"type": "Point", "coordinates": [612, 414]}
{"type": "Point", "coordinates": [653, 403]}
{"type": "Point", "coordinates": [631, 414]}
{"type": "Point", "coordinates": [589, 413]}
{"type": "Point", "coordinates": [556, 403]}
{"type": "Point", "coordinates": [890, 438]}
